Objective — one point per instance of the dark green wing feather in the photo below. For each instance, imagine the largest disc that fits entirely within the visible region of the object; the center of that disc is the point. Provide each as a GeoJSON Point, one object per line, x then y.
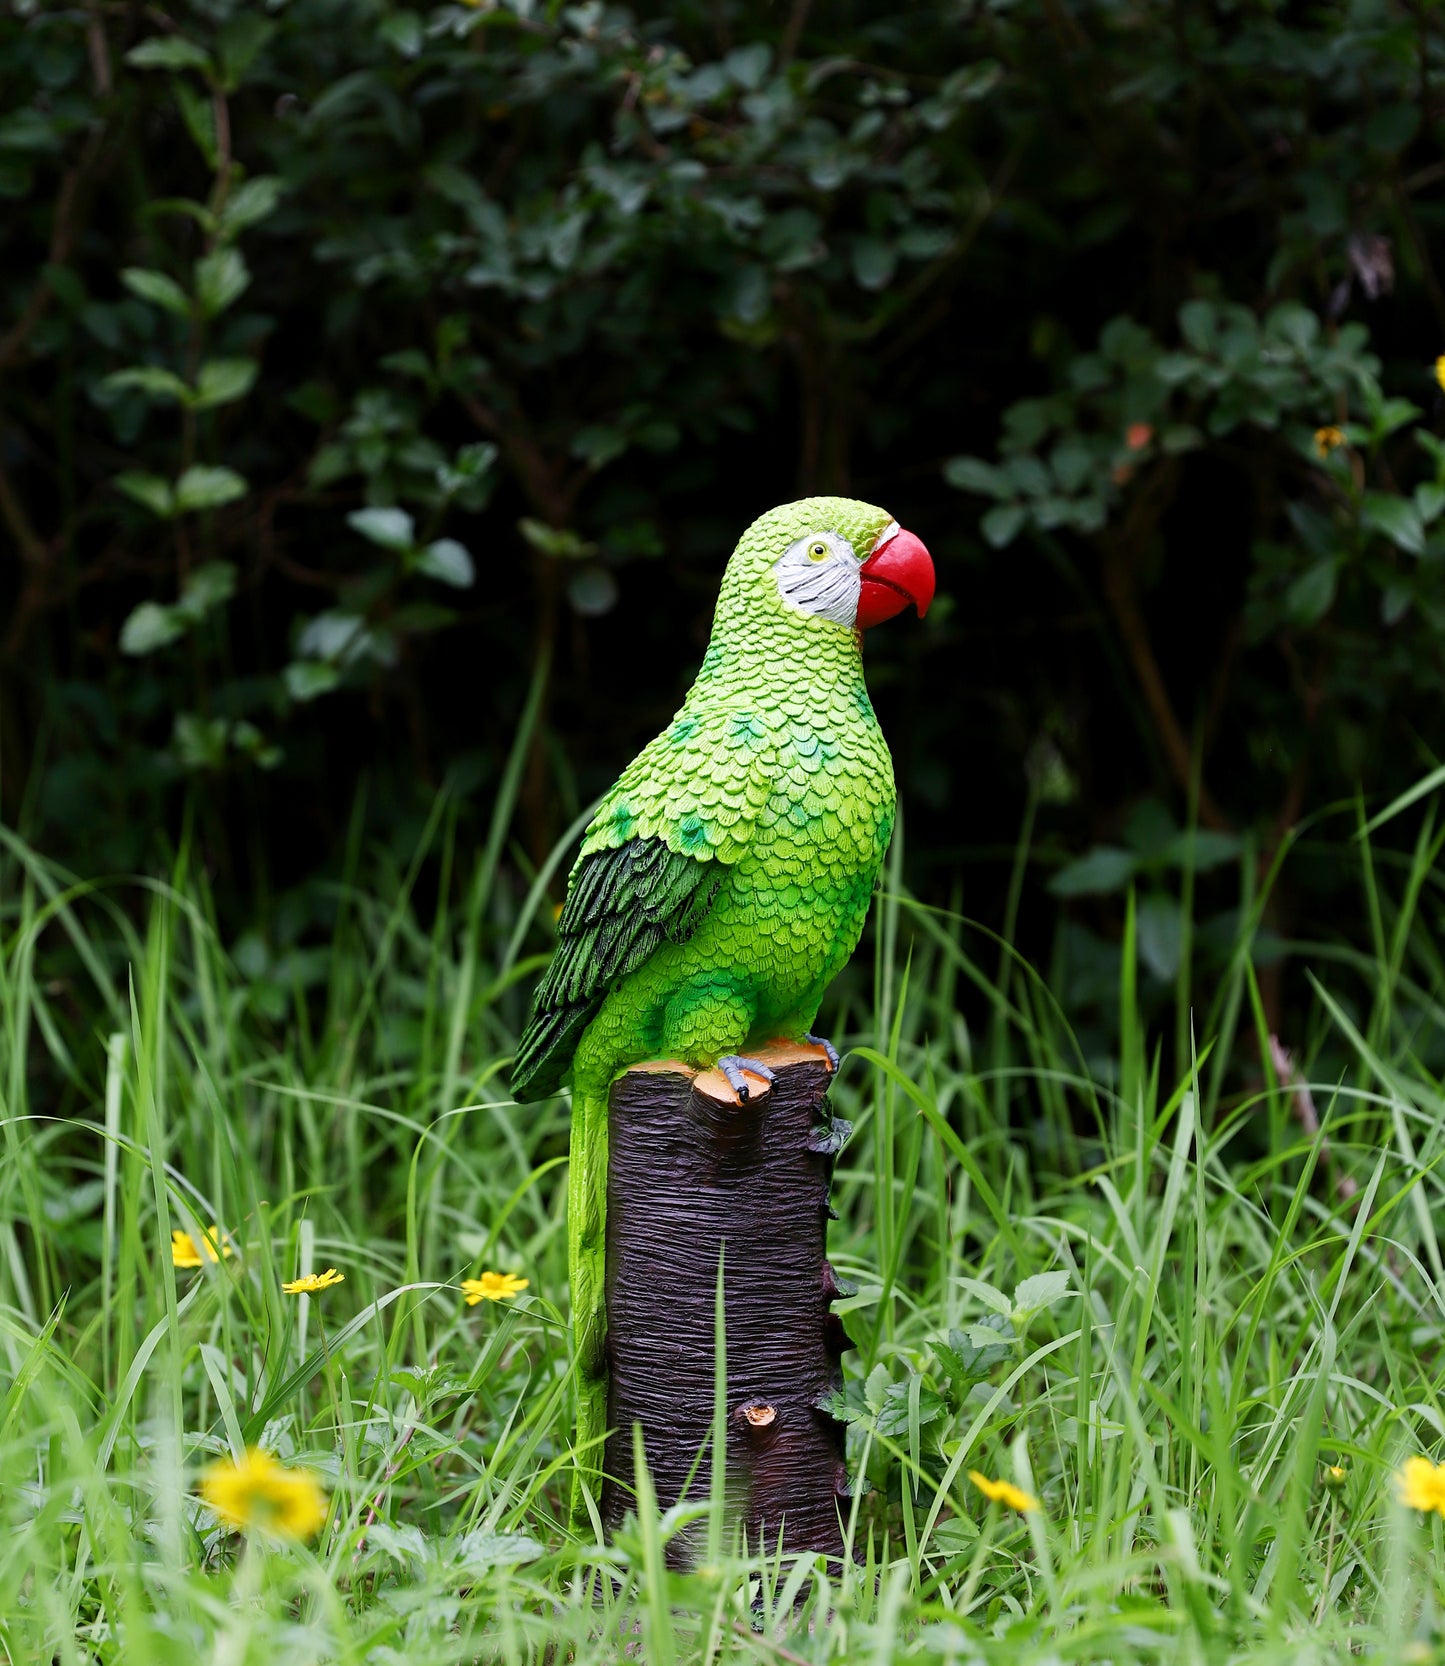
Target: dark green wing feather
{"type": "Point", "coordinates": [623, 903]}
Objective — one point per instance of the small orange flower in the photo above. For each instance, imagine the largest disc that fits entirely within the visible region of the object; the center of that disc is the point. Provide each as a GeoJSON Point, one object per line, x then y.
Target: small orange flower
{"type": "Point", "coordinates": [1137, 435]}
{"type": "Point", "coordinates": [493, 1287]}
{"type": "Point", "coordinates": [1326, 439]}
{"type": "Point", "coordinates": [1440, 371]}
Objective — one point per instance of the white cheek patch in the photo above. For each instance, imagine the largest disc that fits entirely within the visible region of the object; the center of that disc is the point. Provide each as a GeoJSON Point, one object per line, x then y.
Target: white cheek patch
{"type": "Point", "coordinates": [826, 589]}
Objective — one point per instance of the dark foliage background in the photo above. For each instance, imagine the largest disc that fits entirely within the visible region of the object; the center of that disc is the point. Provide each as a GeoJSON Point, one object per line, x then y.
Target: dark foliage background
{"type": "Point", "coordinates": [363, 367]}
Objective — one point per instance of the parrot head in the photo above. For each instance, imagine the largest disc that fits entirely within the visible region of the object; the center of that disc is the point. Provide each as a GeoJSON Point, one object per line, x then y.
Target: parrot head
{"type": "Point", "coordinates": [834, 559]}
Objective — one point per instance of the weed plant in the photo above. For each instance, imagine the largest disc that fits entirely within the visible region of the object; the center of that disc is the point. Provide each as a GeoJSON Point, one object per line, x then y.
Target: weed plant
{"type": "Point", "coordinates": [1191, 1307]}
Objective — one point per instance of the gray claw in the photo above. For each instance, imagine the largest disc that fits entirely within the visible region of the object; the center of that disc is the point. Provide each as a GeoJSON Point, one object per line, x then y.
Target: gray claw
{"type": "Point", "coordinates": [828, 1047]}
{"type": "Point", "coordinates": [733, 1065]}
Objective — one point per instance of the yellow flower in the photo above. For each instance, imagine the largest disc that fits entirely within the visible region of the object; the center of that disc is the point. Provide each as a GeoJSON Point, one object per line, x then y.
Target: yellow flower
{"type": "Point", "coordinates": [185, 1254]}
{"type": "Point", "coordinates": [493, 1287]}
{"type": "Point", "coordinates": [1326, 439]}
{"type": "Point", "coordinates": [259, 1492]}
{"type": "Point", "coordinates": [1003, 1492]}
{"type": "Point", "coordinates": [1440, 370]}
{"type": "Point", "coordinates": [1335, 1477]}
{"type": "Point", "coordinates": [1420, 1485]}
{"type": "Point", "coordinates": [313, 1282]}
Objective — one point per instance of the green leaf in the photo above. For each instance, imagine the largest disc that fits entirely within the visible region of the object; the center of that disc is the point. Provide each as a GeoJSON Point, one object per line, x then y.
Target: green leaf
{"type": "Point", "coordinates": [332, 462]}
{"type": "Point", "coordinates": [598, 444]}
{"type": "Point", "coordinates": [479, 1551]}
{"type": "Point", "coordinates": [1397, 518]}
{"type": "Point", "coordinates": [187, 209]}
{"type": "Point", "coordinates": [211, 584]}
{"type": "Point", "coordinates": [148, 489]}
{"type": "Point", "coordinates": [1098, 872]}
{"type": "Point", "coordinates": [248, 740]}
{"type": "Point", "coordinates": [592, 591]}
{"type": "Point", "coordinates": [989, 1294]}
{"type": "Point", "coordinates": [1395, 602]}
{"type": "Point", "coordinates": [150, 380]}
{"type": "Point", "coordinates": [558, 542]}
{"type": "Point", "coordinates": [409, 361]}
{"type": "Point", "coordinates": [307, 679]}
{"type": "Point", "coordinates": [335, 635]}
{"type": "Point", "coordinates": [974, 81]}
{"type": "Point", "coordinates": [150, 626]}
{"type": "Point", "coordinates": [1312, 594]}
{"type": "Point", "coordinates": [249, 203]}
{"type": "Point", "coordinates": [1202, 849]}
{"type": "Point", "coordinates": [473, 464]}
{"type": "Point", "coordinates": [1073, 462]}
{"type": "Point", "coordinates": [874, 262]}
{"type": "Point", "coordinates": [172, 52]}
{"type": "Point", "coordinates": [242, 36]}
{"type": "Point", "coordinates": [222, 381]}
{"type": "Point", "coordinates": [199, 114]}
{"type": "Point", "coordinates": [1295, 323]}
{"type": "Point", "coordinates": [972, 474]}
{"type": "Point", "coordinates": [1392, 414]}
{"type": "Point", "coordinates": [1032, 1295]}
{"type": "Point", "coordinates": [747, 65]}
{"type": "Point", "coordinates": [221, 276]}
{"type": "Point", "coordinates": [418, 618]}
{"type": "Point", "coordinates": [1027, 475]}
{"type": "Point", "coordinates": [981, 1333]}
{"type": "Point", "coordinates": [1393, 127]}
{"type": "Point", "coordinates": [448, 562]}
{"type": "Point", "coordinates": [968, 1358]}
{"type": "Point", "coordinates": [1160, 935]}
{"type": "Point", "coordinates": [158, 289]}
{"type": "Point", "coordinates": [1174, 368]}
{"type": "Point", "coordinates": [1000, 526]}
{"type": "Point", "coordinates": [952, 1537]}
{"type": "Point", "coordinates": [402, 32]}
{"type": "Point", "coordinates": [1179, 437]}
{"type": "Point", "coordinates": [1198, 323]}
{"type": "Point", "coordinates": [199, 742]}
{"type": "Point", "coordinates": [392, 529]}
{"type": "Point", "coordinates": [206, 487]}
{"type": "Point", "coordinates": [895, 1416]}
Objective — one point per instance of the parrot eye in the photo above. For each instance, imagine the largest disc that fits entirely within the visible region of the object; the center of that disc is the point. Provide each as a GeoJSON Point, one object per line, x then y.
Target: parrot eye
{"type": "Point", "coordinates": [814, 578]}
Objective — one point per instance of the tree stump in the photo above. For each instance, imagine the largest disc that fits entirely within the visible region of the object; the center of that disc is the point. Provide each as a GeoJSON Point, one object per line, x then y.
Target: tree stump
{"type": "Point", "coordinates": [692, 1175]}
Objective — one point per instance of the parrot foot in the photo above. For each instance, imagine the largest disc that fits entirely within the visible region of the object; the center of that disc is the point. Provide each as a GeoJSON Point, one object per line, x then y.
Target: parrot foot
{"type": "Point", "coordinates": [828, 1047]}
{"type": "Point", "coordinates": [737, 1069]}
{"type": "Point", "coordinates": [736, 1079]}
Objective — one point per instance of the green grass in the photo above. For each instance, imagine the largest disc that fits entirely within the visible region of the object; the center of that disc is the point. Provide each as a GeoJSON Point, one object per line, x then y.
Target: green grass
{"type": "Point", "coordinates": [1238, 1304]}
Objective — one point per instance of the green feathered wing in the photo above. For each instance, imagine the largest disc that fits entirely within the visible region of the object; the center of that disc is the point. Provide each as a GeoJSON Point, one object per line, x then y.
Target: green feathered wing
{"type": "Point", "coordinates": [655, 858]}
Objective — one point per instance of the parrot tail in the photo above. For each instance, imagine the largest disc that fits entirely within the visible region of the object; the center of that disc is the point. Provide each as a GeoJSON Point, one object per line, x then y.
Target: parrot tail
{"type": "Point", "coordinates": [587, 1268]}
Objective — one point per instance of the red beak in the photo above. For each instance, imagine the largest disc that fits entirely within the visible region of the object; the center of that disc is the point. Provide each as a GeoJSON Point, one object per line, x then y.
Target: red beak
{"type": "Point", "coordinates": [898, 572]}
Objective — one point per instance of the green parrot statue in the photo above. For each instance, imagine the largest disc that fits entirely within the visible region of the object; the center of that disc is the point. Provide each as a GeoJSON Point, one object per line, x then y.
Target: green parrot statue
{"type": "Point", "coordinates": [724, 881]}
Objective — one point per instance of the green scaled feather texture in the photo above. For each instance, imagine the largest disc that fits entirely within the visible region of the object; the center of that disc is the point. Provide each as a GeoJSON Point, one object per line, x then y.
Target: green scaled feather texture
{"type": "Point", "coordinates": [725, 879]}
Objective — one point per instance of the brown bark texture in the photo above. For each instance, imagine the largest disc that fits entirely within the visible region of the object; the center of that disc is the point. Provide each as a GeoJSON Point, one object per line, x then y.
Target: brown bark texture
{"type": "Point", "coordinates": [691, 1178]}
